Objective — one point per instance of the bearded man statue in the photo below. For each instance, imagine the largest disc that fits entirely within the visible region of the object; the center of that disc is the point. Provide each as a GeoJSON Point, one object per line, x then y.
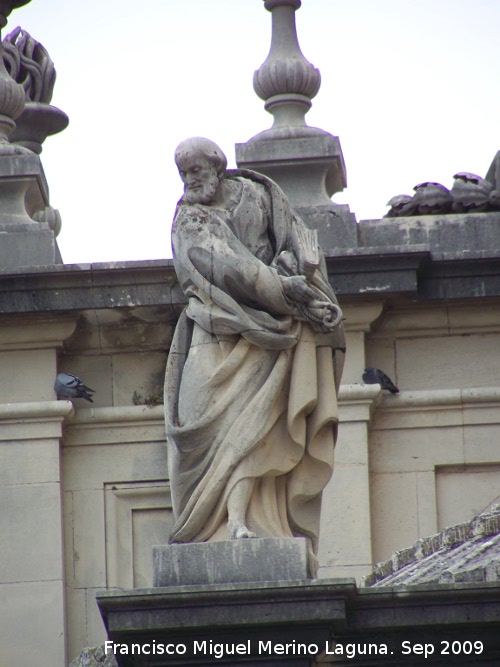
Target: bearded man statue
{"type": "Point", "coordinates": [256, 360]}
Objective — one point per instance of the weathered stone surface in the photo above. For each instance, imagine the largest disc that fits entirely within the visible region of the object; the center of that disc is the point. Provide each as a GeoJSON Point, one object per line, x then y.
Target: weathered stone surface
{"type": "Point", "coordinates": [250, 613]}
{"type": "Point", "coordinates": [308, 168]}
{"type": "Point", "coordinates": [377, 270]}
{"type": "Point", "coordinates": [467, 552]}
{"type": "Point", "coordinates": [267, 559]}
{"type": "Point", "coordinates": [24, 192]}
{"type": "Point", "coordinates": [443, 233]}
{"type": "Point", "coordinates": [256, 360]}
{"type": "Point", "coordinates": [94, 657]}
{"type": "Point", "coordinates": [27, 248]}
{"type": "Point", "coordinates": [119, 286]}
{"type": "Point", "coordinates": [335, 224]}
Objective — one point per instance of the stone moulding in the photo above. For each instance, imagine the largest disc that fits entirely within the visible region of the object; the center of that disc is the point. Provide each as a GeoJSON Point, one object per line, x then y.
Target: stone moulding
{"type": "Point", "coordinates": [359, 392]}
{"type": "Point", "coordinates": [440, 397]}
{"type": "Point", "coordinates": [34, 421]}
{"type": "Point", "coordinates": [425, 399]}
{"type": "Point", "coordinates": [438, 408]}
{"type": "Point", "coordinates": [35, 410]}
{"type": "Point", "coordinates": [282, 611]}
{"type": "Point", "coordinates": [79, 287]}
{"type": "Point", "coordinates": [358, 402]}
{"type": "Point", "coordinates": [315, 612]}
{"type": "Point", "coordinates": [118, 414]}
{"type": "Point", "coordinates": [114, 425]}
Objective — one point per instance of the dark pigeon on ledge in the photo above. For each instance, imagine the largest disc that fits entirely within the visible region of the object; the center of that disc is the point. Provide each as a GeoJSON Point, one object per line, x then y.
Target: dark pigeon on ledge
{"type": "Point", "coordinates": [376, 376]}
{"type": "Point", "coordinates": [69, 386]}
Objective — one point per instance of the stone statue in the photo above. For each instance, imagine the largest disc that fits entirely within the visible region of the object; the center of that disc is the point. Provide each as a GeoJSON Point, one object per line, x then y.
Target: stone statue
{"type": "Point", "coordinates": [255, 364]}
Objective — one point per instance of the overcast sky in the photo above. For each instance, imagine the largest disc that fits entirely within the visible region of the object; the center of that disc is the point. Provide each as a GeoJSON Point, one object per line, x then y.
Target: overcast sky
{"type": "Point", "coordinates": [411, 87]}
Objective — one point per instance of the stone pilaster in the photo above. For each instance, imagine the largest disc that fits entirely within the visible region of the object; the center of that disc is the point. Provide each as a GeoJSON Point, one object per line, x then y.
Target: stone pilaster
{"type": "Point", "coordinates": [345, 535]}
{"type": "Point", "coordinates": [32, 577]}
{"type": "Point", "coordinates": [32, 614]}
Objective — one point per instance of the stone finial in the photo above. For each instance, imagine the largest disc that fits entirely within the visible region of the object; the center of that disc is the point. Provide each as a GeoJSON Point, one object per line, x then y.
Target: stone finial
{"type": "Point", "coordinates": [306, 162]}
{"type": "Point", "coordinates": [12, 97]}
{"type": "Point", "coordinates": [286, 81]}
{"type": "Point", "coordinates": [28, 224]}
{"type": "Point", "coordinates": [30, 65]}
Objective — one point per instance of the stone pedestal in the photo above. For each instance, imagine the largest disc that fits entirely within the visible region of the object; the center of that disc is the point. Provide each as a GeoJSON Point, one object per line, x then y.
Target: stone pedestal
{"type": "Point", "coordinates": [309, 169]}
{"type": "Point", "coordinates": [268, 559]}
{"type": "Point", "coordinates": [23, 193]}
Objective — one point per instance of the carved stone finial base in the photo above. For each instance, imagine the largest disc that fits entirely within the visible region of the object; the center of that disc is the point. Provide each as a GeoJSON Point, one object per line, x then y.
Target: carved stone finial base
{"type": "Point", "coordinates": [24, 193]}
{"type": "Point", "coordinates": [37, 122]}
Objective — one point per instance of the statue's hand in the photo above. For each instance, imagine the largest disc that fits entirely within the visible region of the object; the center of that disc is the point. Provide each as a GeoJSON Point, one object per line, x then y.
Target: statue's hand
{"type": "Point", "coordinates": [297, 289]}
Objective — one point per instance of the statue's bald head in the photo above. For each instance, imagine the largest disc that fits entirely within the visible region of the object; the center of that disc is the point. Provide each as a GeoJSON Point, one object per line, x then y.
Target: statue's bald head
{"type": "Point", "coordinates": [196, 146]}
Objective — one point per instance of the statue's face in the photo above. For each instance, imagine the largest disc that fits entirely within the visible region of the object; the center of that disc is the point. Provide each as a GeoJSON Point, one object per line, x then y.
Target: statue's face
{"type": "Point", "coordinates": [200, 178]}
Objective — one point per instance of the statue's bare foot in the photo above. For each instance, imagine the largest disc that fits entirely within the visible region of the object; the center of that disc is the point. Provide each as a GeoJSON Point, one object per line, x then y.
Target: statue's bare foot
{"type": "Point", "coordinates": [238, 531]}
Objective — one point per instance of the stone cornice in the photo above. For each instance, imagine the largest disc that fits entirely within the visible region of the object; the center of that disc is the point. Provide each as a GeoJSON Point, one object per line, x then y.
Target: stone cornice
{"type": "Point", "coordinates": [358, 401]}
{"type": "Point", "coordinates": [37, 410]}
{"type": "Point", "coordinates": [309, 611]}
{"type": "Point", "coordinates": [414, 271]}
{"type": "Point", "coordinates": [35, 331]}
{"type": "Point", "coordinates": [355, 273]}
{"type": "Point", "coordinates": [38, 420]}
{"type": "Point", "coordinates": [438, 407]}
{"type": "Point", "coordinates": [77, 287]}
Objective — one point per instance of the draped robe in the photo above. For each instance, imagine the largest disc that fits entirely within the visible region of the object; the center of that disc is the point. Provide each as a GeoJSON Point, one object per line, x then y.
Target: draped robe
{"type": "Point", "coordinates": [250, 388]}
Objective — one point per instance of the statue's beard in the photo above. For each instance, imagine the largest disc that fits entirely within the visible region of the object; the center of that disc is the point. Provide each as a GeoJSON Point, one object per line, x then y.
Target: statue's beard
{"type": "Point", "coordinates": [205, 194]}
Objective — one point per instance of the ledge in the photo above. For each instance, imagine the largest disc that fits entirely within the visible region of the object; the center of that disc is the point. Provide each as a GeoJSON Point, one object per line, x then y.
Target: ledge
{"type": "Point", "coordinates": [33, 422]}
{"type": "Point", "coordinates": [120, 413]}
{"type": "Point", "coordinates": [78, 287]}
{"type": "Point", "coordinates": [415, 271]}
{"type": "Point", "coordinates": [45, 410]}
{"type": "Point", "coordinates": [312, 612]}
{"type": "Point", "coordinates": [115, 425]}
{"type": "Point", "coordinates": [438, 407]}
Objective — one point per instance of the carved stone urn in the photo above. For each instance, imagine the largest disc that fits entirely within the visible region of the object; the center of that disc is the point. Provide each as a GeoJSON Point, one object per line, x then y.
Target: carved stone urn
{"type": "Point", "coordinates": [12, 98]}
{"type": "Point", "coordinates": [29, 63]}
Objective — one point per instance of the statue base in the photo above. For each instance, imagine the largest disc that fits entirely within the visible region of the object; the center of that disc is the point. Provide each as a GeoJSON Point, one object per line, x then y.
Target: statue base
{"type": "Point", "coordinates": [235, 561]}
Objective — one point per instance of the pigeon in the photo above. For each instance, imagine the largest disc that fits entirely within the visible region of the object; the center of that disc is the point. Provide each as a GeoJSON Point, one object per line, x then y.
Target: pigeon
{"type": "Point", "coordinates": [69, 386]}
{"type": "Point", "coordinates": [376, 376]}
